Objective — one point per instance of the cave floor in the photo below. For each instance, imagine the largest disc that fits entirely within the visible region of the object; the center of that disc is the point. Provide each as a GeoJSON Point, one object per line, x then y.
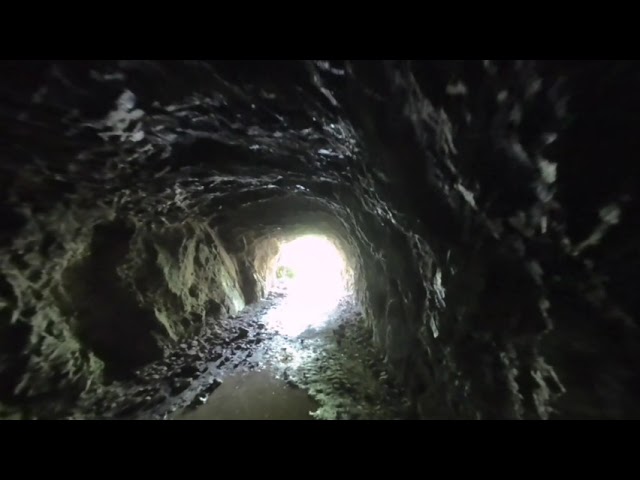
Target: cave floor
{"type": "Point", "coordinates": [250, 366]}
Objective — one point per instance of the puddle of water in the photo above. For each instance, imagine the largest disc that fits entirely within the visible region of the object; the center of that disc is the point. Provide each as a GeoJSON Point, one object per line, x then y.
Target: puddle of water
{"type": "Point", "coordinates": [254, 396]}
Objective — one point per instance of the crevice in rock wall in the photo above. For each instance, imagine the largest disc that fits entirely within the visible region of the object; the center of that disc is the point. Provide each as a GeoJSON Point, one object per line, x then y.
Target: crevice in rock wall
{"type": "Point", "coordinates": [108, 320]}
{"type": "Point", "coordinates": [14, 339]}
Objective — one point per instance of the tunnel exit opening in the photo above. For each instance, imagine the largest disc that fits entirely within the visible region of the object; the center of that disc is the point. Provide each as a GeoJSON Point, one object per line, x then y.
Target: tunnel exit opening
{"type": "Point", "coordinates": [313, 274]}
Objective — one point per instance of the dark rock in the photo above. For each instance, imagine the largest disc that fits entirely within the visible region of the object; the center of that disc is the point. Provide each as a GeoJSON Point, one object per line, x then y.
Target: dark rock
{"type": "Point", "coordinates": [129, 409]}
{"type": "Point", "coordinates": [197, 401]}
{"type": "Point", "coordinates": [179, 385]}
{"type": "Point", "coordinates": [154, 400]}
{"type": "Point", "coordinates": [211, 387]}
{"type": "Point", "coordinates": [188, 370]}
{"type": "Point", "coordinates": [242, 333]}
{"type": "Point", "coordinates": [215, 356]}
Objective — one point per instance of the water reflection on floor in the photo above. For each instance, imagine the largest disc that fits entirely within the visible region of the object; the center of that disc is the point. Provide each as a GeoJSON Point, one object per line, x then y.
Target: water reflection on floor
{"type": "Point", "coordinates": [256, 395]}
{"type": "Point", "coordinates": [302, 309]}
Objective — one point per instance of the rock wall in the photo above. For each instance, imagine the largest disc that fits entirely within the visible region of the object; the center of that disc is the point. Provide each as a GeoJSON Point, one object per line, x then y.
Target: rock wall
{"type": "Point", "coordinates": [487, 208]}
{"type": "Point", "coordinates": [100, 300]}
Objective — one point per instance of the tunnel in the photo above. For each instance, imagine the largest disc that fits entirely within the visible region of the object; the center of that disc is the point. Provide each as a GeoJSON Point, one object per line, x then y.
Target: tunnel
{"type": "Point", "coordinates": [480, 219]}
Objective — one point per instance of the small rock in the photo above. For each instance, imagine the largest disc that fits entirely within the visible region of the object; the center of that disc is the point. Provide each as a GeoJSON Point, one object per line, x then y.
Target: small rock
{"type": "Point", "coordinates": [179, 386]}
{"type": "Point", "coordinates": [215, 384]}
{"type": "Point", "coordinates": [216, 356]}
{"type": "Point", "coordinates": [198, 400]}
{"type": "Point", "coordinates": [129, 409]}
{"type": "Point", "coordinates": [243, 333]}
{"type": "Point", "coordinates": [157, 399]}
{"type": "Point", "coordinates": [188, 371]}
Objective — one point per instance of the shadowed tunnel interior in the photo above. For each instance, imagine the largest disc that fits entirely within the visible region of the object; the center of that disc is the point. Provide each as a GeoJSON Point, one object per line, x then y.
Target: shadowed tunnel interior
{"type": "Point", "coordinates": [486, 212]}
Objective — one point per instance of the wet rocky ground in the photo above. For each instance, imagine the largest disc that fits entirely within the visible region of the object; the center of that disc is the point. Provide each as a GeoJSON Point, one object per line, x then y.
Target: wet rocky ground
{"type": "Point", "coordinates": [333, 363]}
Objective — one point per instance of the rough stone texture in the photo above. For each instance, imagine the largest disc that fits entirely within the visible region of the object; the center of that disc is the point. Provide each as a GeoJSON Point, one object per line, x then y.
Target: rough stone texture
{"type": "Point", "coordinates": [487, 209]}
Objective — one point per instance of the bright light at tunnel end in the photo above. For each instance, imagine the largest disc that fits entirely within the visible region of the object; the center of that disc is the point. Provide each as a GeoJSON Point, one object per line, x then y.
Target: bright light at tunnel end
{"type": "Point", "coordinates": [312, 273]}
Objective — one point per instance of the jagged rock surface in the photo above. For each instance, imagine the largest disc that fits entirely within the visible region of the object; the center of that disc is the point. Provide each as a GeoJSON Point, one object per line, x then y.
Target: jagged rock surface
{"type": "Point", "coordinates": [486, 208]}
